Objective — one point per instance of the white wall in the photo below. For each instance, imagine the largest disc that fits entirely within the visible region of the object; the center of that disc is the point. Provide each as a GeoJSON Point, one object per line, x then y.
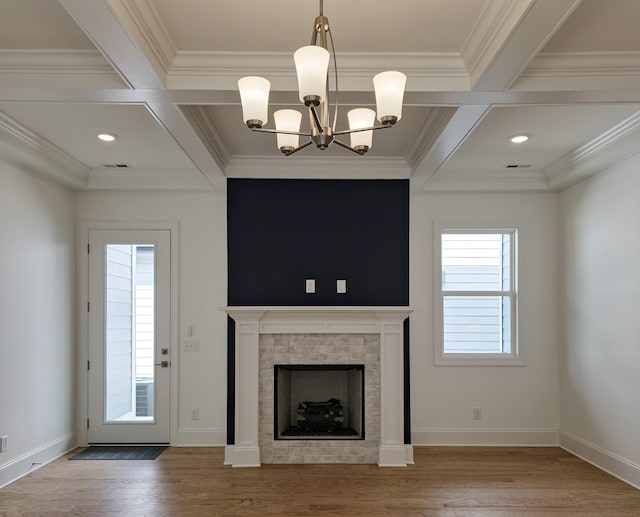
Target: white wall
{"type": "Point", "coordinates": [520, 404]}
{"type": "Point", "coordinates": [600, 356]}
{"type": "Point", "coordinates": [202, 220]}
{"type": "Point", "coordinates": [37, 323]}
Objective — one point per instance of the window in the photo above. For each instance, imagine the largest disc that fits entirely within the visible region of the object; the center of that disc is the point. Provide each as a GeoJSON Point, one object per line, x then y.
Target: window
{"type": "Point", "coordinates": [476, 296]}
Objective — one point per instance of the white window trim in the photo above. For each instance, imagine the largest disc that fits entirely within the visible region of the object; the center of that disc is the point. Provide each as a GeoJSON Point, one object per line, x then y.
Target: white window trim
{"type": "Point", "coordinates": [516, 357]}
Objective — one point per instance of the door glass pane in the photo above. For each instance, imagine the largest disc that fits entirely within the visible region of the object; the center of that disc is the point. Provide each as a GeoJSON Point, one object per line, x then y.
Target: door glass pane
{"type": "Point", "coordinates": [129, 332]}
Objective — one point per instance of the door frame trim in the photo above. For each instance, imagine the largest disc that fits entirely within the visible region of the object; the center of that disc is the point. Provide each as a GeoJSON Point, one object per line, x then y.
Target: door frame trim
{"type": "Point", "coordinates": [82, 294]}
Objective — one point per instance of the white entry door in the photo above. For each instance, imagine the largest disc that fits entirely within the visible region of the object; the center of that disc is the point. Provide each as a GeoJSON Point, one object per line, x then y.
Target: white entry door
{"type": "Point", "coordinates": [129, 336]}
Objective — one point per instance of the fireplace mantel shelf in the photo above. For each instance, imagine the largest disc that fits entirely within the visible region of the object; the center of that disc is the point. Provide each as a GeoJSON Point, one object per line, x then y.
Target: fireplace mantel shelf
{"type": "Point", "coordinates": [317, 319]}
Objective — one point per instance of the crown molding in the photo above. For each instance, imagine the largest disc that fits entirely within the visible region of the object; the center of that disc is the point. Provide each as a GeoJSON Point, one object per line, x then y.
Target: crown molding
{"type": "Point", "coordinates": [270, 167]}
{"type": "Point", "coordinates": [202, 124]}
{"type": "Point", "coordinates": [613, 146]}
{"type": "Point", "coordinates": [431, 130]}
{"type": "Point", "coordinates": [78, 61]}
{"type": "Point", "coordinates": [32, 152]}
{"type": "Point", "coordinates": [584, 63]}
{"type": "Point", "coordinates": [144, 23]}
{"type": "Point", "coordinates": [57, 68]}
{"type": "Point", "coordinates": [581, 71]}
{"type": "Point", "coordinates": [531, 180]}
{"type": "Point", "coordinates": [490, 32]}
{"type": "Point", "coordinates": [434, 71]}
{"type": "Point", "coordinates": [148, 180]}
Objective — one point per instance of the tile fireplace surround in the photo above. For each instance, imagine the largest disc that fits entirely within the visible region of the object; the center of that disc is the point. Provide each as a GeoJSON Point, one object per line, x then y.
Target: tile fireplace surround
{"type": "Point", "coordinates": [253, 322]}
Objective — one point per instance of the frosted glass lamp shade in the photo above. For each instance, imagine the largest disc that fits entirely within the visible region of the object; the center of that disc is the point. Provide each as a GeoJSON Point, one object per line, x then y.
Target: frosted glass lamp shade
{"type": "Point", "coordinates": [312, 63]}
{"type": "Point", "coordinates": [360, 118]}
{"type": "Point", "coordinates": [287, 120]}
{"type": "Point", "coordinates": [389, 87]}
{"type": "Point", "coordinates": [254, 94]}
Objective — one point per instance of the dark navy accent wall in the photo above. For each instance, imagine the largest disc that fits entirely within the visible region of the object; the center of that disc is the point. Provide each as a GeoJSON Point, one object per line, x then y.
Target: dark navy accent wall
{"type": "Point", "coordinates": [281, 232]}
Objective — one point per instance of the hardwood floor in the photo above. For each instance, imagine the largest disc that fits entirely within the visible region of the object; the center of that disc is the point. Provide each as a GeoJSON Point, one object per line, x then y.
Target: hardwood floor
{"type": "Point", "coordinates": [447, 481]}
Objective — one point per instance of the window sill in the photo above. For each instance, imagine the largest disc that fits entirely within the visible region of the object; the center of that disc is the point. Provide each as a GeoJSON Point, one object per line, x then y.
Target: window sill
{"type": "Point", "coordinates": [478, 360]}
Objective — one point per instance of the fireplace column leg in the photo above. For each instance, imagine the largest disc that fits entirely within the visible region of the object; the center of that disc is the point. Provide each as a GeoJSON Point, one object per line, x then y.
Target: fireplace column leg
{"type": "Point", "coordinates": [393, 451]}
{"type": "Point", "coordinates": [245, 452]}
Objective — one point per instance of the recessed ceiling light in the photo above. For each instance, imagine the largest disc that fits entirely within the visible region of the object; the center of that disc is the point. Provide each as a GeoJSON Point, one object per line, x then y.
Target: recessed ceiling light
{"type": "Point", "coordinates": [518, 139]}
{"type": "Point", "coordinates": [107, 137]}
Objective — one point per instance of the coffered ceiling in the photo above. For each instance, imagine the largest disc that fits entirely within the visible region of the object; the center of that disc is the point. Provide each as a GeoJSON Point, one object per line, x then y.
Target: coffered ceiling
{"type": "Point", "coordinates": [161, 75]}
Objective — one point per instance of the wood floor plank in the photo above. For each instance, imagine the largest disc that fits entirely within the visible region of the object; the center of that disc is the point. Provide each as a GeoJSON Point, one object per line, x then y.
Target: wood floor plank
{"type": "Point", "coordinates": [445, 481]}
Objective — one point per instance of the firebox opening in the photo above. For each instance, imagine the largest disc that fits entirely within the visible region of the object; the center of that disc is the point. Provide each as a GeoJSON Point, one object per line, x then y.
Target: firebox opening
{"type": "Point", "coordinates": [316, 402]}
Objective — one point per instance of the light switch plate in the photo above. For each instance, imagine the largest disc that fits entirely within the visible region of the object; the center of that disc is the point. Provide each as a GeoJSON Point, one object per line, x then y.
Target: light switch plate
{"type": "Point", "coordinates": [310, 286]}
{"type": "Point", "coordinates": [341, 286]}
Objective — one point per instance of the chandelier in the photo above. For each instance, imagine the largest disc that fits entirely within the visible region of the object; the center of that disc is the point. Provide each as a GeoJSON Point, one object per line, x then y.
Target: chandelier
{"type": "Point", "coordinates": [312, 68]}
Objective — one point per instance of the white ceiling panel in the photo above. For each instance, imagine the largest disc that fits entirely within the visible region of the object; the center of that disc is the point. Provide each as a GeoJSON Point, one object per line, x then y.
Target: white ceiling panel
{"type": "Point", "coordinates": [552, 130]}
{"type": "Point", "coordinates": [284, 25]}
{"type": "Point", "coordinates": [142, 143]}
{"type": "Point", "coordinates": [39, 24]}
{"type": "Point", "coordinates": [599, 26]}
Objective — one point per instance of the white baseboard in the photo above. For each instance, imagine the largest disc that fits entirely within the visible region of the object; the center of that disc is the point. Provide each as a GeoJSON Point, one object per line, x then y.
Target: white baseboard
{"type": "Point", "coordinates": [199, 437]}
{"type": "Point", "coordinates": [486, 437]}
{"type": "Point", "coordinates": [611, 463]}
{"type": "Point", "coordinates": [32, 460]}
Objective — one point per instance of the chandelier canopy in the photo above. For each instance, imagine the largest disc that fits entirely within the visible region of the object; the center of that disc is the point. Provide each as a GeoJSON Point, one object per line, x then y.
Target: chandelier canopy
{"type": "Point", "coordinates": [312, 67]}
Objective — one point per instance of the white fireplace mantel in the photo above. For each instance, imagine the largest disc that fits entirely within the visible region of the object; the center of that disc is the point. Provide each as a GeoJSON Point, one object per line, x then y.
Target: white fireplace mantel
{"type": "Point", "coordinates": [253, 321]}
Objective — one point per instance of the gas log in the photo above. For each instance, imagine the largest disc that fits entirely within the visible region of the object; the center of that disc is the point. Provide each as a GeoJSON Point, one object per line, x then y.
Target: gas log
{"type": "Point", "coordinates": [320, 416]}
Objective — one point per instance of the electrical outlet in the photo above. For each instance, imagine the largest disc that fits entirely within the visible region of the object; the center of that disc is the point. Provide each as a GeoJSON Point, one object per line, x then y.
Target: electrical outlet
{"type": "Point", "coordinates": [310, 286]}
{"type": "Point", "coordinates": [4, 443]}
{"type": "Point", "coordinates": [195, 414]}
{"type": "Point", "coordinates": [477, 413]}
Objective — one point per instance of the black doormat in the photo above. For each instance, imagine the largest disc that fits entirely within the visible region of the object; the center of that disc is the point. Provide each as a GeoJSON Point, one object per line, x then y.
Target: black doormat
{"type": "Point", "coordinates": [120, 452]}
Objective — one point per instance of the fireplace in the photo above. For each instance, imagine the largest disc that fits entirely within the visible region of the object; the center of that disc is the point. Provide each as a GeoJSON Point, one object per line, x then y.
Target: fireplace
{"type": "Point", "coordinates": [319, 402]}
{"type": "Point", "coordinates": [371, 337]}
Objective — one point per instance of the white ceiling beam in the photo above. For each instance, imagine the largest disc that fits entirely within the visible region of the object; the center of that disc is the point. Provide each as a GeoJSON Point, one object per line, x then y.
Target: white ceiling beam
{"type": "Point", "coordinates": [517, 37]}
{"type": "Point", "coordinates": [103, 27]}
{"type": "Point", "coordinates": [464, 120]}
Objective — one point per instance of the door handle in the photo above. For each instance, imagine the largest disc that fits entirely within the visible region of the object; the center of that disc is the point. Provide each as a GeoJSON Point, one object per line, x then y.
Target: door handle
{"type": "Point", "coordinates": [163, 364]}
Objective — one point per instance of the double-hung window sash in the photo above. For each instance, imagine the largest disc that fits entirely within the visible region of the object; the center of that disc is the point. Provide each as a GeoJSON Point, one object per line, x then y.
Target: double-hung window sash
{"type": "Point", "coordinates": [478, 293]}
